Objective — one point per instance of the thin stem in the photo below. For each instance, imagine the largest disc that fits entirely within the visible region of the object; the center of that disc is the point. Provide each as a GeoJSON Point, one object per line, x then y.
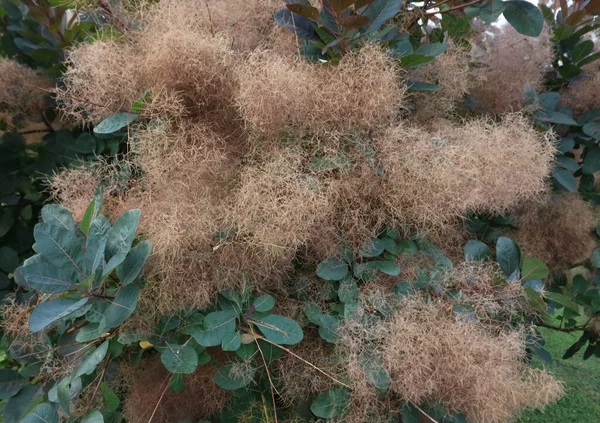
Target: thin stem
{"type": "Point", "coordinates": [305, 362]}
{"type": "Point", "coordinates": [423, 412]}
{"type": "Point", "coordinates": [561, 329]}
{"type": "Point", "coordinates": [271, 386]}
{"type": "Point", "coordinates": [168, 379]}
{"type": "Point", "coordinates": [458, 7]}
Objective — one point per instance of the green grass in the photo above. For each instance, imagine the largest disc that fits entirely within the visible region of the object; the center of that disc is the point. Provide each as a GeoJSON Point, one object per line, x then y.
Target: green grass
{"type": "Point", "coordinates": [581, 404]}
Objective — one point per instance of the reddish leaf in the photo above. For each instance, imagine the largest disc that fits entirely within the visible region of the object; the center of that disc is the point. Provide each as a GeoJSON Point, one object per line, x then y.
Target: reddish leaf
{"type": "Point", "coordinates": [574, 18]}
{"type": "Point", "coordinates": [341, 5]}
{"type": "Point", "coordinates": [354, 21]}
{"type": "Point", "coordinates": [362, 3]}
{"type": "Point", "coordinates": [306, 11]}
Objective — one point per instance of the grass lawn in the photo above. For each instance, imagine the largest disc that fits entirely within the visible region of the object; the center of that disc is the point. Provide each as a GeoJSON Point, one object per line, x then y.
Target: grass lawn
{"type": "Point", "coordinates": [581, 404]}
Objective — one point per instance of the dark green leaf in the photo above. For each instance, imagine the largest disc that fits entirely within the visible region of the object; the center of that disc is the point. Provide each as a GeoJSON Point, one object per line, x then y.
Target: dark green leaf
{"type": "Point", "coordinates": [10, 383]}
{"type": "Point", "coordinates": [373, 247]}
{"type": "Point", "coordinates": [591, 162]}
{"type": "Point", "coordinates": [9, 259]}
{"type": "Point", "coordinates": [592, 129]}
{"type": "Point", "coordinates": [508, 256]}
{"type": "Point", "coordinates": [129, 270]}
{"type": "Point", "coordinates": [234, 376]}
{"type": "Point", "coordinates": [111, 400]}
{"type": "Point", "coordinates": [564, 178]}
{"type": "Point", "coordinates": [348, 289]}
{"type": "Point", "coordinates": [49, 312]}
{"type": "Point", "coordinates": [387, 267]}
{"type": "Point", "coordinates": [380, 11]}
{"type": "Point", "coordinates": [122, 306]}
{"type": "Point", "coordinates": [332, 403]}
{"type": "Point", "coordinates": [476, 251]}
{"type": "Point", "coordinates": [562, 300]}
{"type": "Point", "coordinates": [415, 60]}
{"type": "Point", "coordinates": [596, 258]}
{"type": "Point", "coordinates": [332, 269]}
{"type": "Point", "coordinates": [566, 144]}
{"type": "Point", "coordinates": [42, 413]}
{"type": "Point", "coordinates": [579, 284]}
{"type": "Point", "coordinates": [280, 330]}
{"type": "Point", "coordinates": [303, 27]}
{"type": "Point", "coordinates": [422, 86]}
{"type": "Point", "coordinates": [179, 358]}
{"type": "Point", "coordinates": [120, 238]}
{"type": "Point", "coordinates": [432, 49]}
{"type": "Point", "coordinates": [524, 17]}
{"type": "Point", "coordinates": [92, 360]}
{"type": "Point", "coordinates": [375, 372]}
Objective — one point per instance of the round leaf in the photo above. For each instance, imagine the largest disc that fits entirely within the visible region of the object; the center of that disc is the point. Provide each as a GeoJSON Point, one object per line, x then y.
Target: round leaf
{"type": "Point", "coordinates": [525, 17]}
{"type": "Point", "coordinates": [280, 330]}
{"type": "Point", "coordinates": [179, 359]}
{"type": "Point", "coordinates": [42, 413]}
{"type": "Point", "coordinates": [234, 376]}
{"type": "Point", "coordinates": [264, 303]}
{"type": "Point", "coordinates": [372, 248]}
{"type": "Point", "coordinates": [476, 250]}
{"type": "Point", "coordinates": [331, 404]}
{"type": "Point", "coordinates": [508, 256]}
{"type": "Point", "coordinates": [332, 269]}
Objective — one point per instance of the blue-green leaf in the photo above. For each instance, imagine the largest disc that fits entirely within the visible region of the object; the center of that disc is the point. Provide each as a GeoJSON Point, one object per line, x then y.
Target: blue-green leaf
{"type": "Point", "coordinates": [280, 330]}
{"type": "Point", "coordinates": [234, 376]}
{"type": "Point", "coordinates": [59, 245]}
{"type": "Point", "coordinates": [380, 11]}
{"type": "Point", "coordinates": [564, 178]}
{"type": "Point", "coordinates": [42, 413]}
{"type": "Point", "coordinates": [508, 255]}
{"type": "Point", "coordinates": [95, 244]}
{"type": "Point", "coordinates": [43, 276]}
{"type": "Point", "coordinates": [91, 362]}
{"type": "Point", "coordinates": [179, 358]}
{"type": "Point", "coordinates": [264, 303]}
{"type": "Point", "coordinates": [332, 269]}
{"type": "Point", "coordinates": [231, 342]}
{"type": "Point", "coordinates": [129, 270]}
{"type": "Point", "coordinates": [371, 247]}
{"type": "Point", "coordinates": [476, 250]}
{"type": "Point", "coordinates": [115, 123]}
{"type": "Point", "coordinates": [120, 238]}
{"type": "Point", "coordinates": [94, 416]}
{"type": "Point", "coordinates": [49, 312]}
{"type": "Point", "coordinates": [57, 215]}
{"type": "Point", "coordinates": [525, 17]}
{"type": "Point", "coordinates": [332, 403]}
{"type": "Point", "coordinates": [215, 327]}
{"type": "Point", "coordinates": [122, 306]}
{"type": "Point", "coordinates": [432, 49]}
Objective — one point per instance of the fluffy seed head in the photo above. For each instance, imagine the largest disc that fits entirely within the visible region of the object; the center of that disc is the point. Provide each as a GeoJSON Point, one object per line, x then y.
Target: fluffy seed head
{"type": "Point", "coordinates": [22, 87]}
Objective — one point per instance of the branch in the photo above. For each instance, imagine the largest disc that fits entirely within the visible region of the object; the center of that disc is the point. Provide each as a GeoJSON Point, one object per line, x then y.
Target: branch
{"type": "Point", "coordinates": [458, 7]}
{"type": "Point", "coordinates": [557, 328]}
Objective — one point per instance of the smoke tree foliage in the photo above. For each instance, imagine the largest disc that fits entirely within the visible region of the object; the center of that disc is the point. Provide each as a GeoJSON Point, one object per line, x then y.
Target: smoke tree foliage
{"type": "Point", "coordinates": [253, 244]}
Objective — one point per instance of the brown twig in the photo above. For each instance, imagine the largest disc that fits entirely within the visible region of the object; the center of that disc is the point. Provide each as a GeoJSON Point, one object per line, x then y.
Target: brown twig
{"type": "Point", "coordinates": [168, 379]}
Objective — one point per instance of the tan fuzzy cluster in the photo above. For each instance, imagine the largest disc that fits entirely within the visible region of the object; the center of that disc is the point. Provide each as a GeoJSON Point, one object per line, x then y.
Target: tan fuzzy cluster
{"type": "Point", "coordinates": [431, 355]}
{"type": "Point", "coordinates": [584, 92]}
{"type": "Point", "coordinates": [435, 175]}
{"type": "Point", "coordinates": [558, 231]}
{"type": "Point", "coordinates": [451, 72]}
{"type": "Point", "coordinates": [279, 204]}
{"type": "Point", "coordinates": [23, 88]}
{"type": "Point", "coordinates": [147, 387]}
{"type": "Point", "coordinates": [513, 64]}
{"type": "Point", "coordinates": [279, 92]}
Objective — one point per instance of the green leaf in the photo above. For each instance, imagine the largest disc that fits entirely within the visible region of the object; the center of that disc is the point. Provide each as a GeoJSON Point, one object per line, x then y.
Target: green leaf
{"type": "Point", "coordinates": [122, 306]}
{"type": "Point", "coordinates": [562, 300]}
{"type": "Point", "coordinates": [409, 413]}
{"type": "Point", "coordinates": [592, 129]}
{"type": "Point", "coordinates": [95, 244]}
{"type": "Point", "coordinates": [59, 245]}
{"type": "Point", "coordinates": [264, 303]}
{"type": "Point", "coordinates": [43, 276]}
{"type": "Point", "coordinates": [564, 178]}
{"type": "Point", "coordinates": [380, 11]}
{"type": "Point", "coordinates": [415, 60]}
{"type": "Point", "coordinates": [231, 342]}
{"type": "Point", "coordinates": [49, 312]}
{"type": "Point", "coordinates": [42, 413]}
{"type": "Point", "coordinates": [403, 289]}
{"type": "Point", "coordinates": [596, 258]}
{"type": "Point", "coordinates": [566, 144]}
{"type": "Point", "coordinates": [94, 416]}
{"type": "Point", "coordinates": [92, 211]}
{"type": "Point", "coordinates": [9, 259]}
{"type": "Point", "coordinates": [129, 270]}
{"type": "Point", "coordinates": [328, 328]}
{"type": "Point", "coordinates": [332, 269]}
{"type": "Point", "coordinates": [432, 49]}
{"type": "Point", "coordinates": [558, 118]}
{"type": "Point", "coordinates": [177, 383]}
{"type": "Point", "coordinates": [579, 284]}
{"type": "Point", "coordinates": [476, 251]}
{"type": "Point", "coordinates": [348, 289]}
{"type": "Point", "coordinates": [492, 10]}
{"type": "Point", "coordinates": [120, 238]}
{"type": "Point", "coordinates": [234, 376]}
{"type": "Point", "coordinates": [524, 17]}
{"type": "Point", "coordinates": [591, 162]}
{"type": "Point", "coordinates": [567, 162]}
{"type": "Point", "coordinates": [332, 403]}
{"type": "Point", "coordinates": [299, 25]}
{"type": "Point", "coordinates": [115, 123]}
{"type": "Point", "coordinates": [327, 163]}
{"type": "Point", "coordinates": [17, 406]}
{"type": "Point", "coordinates": [215, 327]}
{"type": "Point", "coordinates": [10, 383]}
{"type": "Point", "coordinates": [508, 255]}
{"type": "Point", "coordinates": [533, 269]}
{"type": "Point", "coordinates": [387, 267]}
{"type": "Point", "coordinates": [422, 86]}
{"type": "Point", "coordinates": [59, 216]}
{"type": "Point", "coordinates": [371, 248]}
{"type": "Point", "coordinates": [280, 330]}
{"type": "Point", "coordinates": [7, 220]}
{"type": "Point", "coordinates": [91, 362]}
{"type": "Point", "coordinates": [179, 358]}
{"type": "Point", "coordinates": [111, 400]}
{"type": "Point", "coordinates": [375, 372]}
